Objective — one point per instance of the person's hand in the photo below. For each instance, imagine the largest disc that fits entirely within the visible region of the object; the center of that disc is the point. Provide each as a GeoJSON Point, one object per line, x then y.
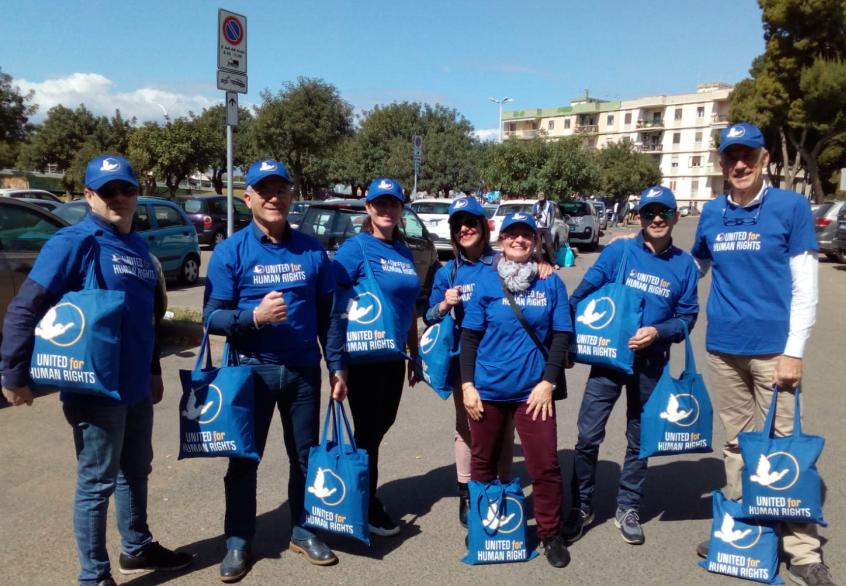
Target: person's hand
{"type": "Point", "coordinates": [788, 371]}
{"type": "Point", "coordinates": [157, 388]}
{"type": "Point", "coordinates": [18, 395]}
{"type": "Point", "coordinates": [272, 309]}
{"type": "Point", "coordinates": [540, 401]}
{"type": "Point", "coordinates": [413, 371]}
{"type": "Point", "coordinates": [338, 384]}
{"type": "Point", "coordinates": [472, 401]}
{"type": "Point", "coordinates": [452, 297]}
{"type": "Point", "coordinates": [643, 338]}
{"type": "Point", "coordinates": [544, 270]}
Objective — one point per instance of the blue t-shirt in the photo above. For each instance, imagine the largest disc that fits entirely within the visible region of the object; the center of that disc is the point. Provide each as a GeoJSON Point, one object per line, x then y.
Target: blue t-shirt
{"type": "Point", "coordinates": [393, 268]}
{"type": "Point", "coordinates": [248, 266]}
{"type": "Point", "coordinates": [125, 265]}
{"type": "Point", "coordinates": [751, 284]}
{"type": "Point", "coordinates": [508, 363]}
{"type": "Point", "coordinates": [466, 277]}
{"type": "Point", "coordinates": [668, 281]}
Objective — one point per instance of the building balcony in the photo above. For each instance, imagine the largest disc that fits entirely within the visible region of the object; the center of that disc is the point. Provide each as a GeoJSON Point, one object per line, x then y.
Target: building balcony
{"type": "Point", "coordinates": [650, 148]}
{"type": "Point", "coordinates": [520, 133]}
{"type": "Point", "coordinates": [586, 128]}
{"type": "Point", "coordinates": [719, 119]}
{"type": "Point", "coordinates": [650, 123]}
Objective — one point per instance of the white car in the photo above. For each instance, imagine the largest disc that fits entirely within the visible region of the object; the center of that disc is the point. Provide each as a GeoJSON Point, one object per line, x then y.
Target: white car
{"type": "Point", "coordinates": [560, 230]}
{"type": "Point", "coordinates": [18, 193]}
{"type": "Point", "coordinates": [435, 215]}
{"type": "Point", "coordinates": [584, 225]}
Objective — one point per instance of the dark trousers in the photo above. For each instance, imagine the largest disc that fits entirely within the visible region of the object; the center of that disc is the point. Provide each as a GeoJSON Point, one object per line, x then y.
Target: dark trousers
{"type": "Point", "coordinates": [603, 388]}
{"type": "Point", "coordinates": [295, 393]}
{"type": "Point", "coordinates": [374, 391]}
{"type": "Point", "coordinates": [539, 442]}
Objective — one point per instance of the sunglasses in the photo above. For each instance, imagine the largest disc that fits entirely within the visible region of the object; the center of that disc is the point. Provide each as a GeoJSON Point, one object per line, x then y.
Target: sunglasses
{"type": "Point", "coordinates": [455, 224]}
{"type": "Point", "coordinates": [109, 191]}
{"type": "Point", "coordinates": [649, 215]}
{"type": "Point", "coordinates": [268, 193]}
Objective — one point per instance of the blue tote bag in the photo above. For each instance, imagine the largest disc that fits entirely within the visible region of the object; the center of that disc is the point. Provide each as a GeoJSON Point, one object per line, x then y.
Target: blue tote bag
{"type": "Point", "coordinates": [496, 524]}
{"type": "Point", "coordinates": [678, 417]}
{"type": "Point", "coordinates": [565, 257]}
{"type": "Point", "coordinates": [216, 411]}
{"type": "Point", "coordinates": [606, 320]}
{"type": "Point", "coordinates": [372, 334]}
{"type": "Point", "coordinates": [739, 547]}
{"type": "Point", "coordinates": [780, 477]}
{"type": "Point", "coordinates": [77, 342]}
{"type": "Point", "coordinates": [338, 490]}
{"type": "Point", "coordinates": [438, 349]}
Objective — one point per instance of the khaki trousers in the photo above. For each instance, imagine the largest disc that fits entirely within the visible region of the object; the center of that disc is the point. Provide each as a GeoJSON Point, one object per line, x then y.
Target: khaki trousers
{"type": "Point", "coordinates": [742, 389]}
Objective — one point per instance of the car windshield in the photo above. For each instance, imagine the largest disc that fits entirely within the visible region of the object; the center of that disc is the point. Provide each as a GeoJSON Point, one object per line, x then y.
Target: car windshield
{"type": "Point", "coordinates": [431, 207]}
{"type": "Point", "coordinates": [513, 208]}
{"type": "Point", "coordinates": [575, 208]}
{"type": "Point", "coordinates": [72, 213]}
{"type": "Point", "coordinates": [192, 206]}
{"type": "Point", "coordinates": [489, 211]}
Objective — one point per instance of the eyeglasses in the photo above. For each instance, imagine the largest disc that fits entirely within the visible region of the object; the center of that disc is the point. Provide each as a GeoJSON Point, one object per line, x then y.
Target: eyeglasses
{"type": "Point", "coordinates": [515, 235]}
{"type": "Point", "coordinates": [744, 221]}
{"type": "Point", "coordinates": [456, 224]}
{"type": "Point", "coordinates": [269, 192]}
{"type": "Point", "coordinates": [649, 215]}
{"type": "Point", "coordinates": [110, 190]}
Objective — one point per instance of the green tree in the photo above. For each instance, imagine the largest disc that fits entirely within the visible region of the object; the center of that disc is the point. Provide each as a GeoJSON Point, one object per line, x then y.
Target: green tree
{"type": "Point", "coordinates": [182, 148]}
{"type": "Point", "coordinates": [623, 170]}
{"type": "Point", "coordinates": [212, 123]}
{"type": "Point", "coordinates": [301, 125]}
{"type": "Point", "coordinates": [513, 166]}
{"type": "Point", "coordinates": [142, 153]}
{"type": "Point", "coordinates": [569, 168]}
{"type": "Point", "coordinates": [15, 110]}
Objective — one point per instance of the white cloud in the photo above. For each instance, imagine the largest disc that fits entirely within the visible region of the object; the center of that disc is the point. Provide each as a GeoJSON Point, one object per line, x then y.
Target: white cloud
{"type": "Point", "coordinates": [487, 134]}
{"type": "Point", "coordinates": [97, 93]}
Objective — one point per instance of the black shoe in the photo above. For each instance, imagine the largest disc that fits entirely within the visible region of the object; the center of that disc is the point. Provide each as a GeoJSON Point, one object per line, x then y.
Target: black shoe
{"type": "Point", "coordinates": [703, 548]}
{"type": "Point", "coordinates": [578, 520]}
{"type": "Point", "coordinates": [463, 503]}
{"type": "Point", "coordinates": [107, 582]}
{"type": "Point", "coordinates": [235, 565]}
{"type": "Point", "coordinates": [628, 522]}
{"type": "Point", "coordinates": [315, 551]}
{"type": "Point", "coordinates": [816, 574]}
{"type": "Point", "coordinates": [555, 551]}
{"type": "Point", "coordinates": [153, 557]}
{"type": "Point", "coordinates": [379, 521]}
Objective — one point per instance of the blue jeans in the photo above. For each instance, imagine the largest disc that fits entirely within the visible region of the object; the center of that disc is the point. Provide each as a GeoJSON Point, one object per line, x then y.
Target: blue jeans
{"type": "Point", "coordinates": [295, 392]}
{"type": "Point", "coordinates": [603, 388]}
{"type": "Point", "coordinates": [114, 454]}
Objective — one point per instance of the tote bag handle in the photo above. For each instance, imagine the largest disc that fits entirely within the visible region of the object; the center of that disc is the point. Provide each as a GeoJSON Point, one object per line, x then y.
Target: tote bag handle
{"type": "Point", "coordinates": [769, 423]}
{"type": "Point", "coordinates": [483, 496]}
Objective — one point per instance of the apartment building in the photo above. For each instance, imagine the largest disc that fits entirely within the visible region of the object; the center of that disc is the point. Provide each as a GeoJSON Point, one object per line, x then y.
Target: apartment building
{"type": "Point", "coordinates": [681, 131]}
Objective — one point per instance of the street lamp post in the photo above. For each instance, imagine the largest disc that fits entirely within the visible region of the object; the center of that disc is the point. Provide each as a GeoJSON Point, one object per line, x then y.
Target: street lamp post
{"type": "Point", "coordinates": [504, 100]}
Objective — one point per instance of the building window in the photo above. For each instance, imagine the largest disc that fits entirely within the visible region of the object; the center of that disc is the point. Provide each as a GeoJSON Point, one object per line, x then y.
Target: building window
{"type": "Point", "coordinates": [610, 120]}
{"type": "Point", "coordinates": [677, 138]}
{"type": "Point", "coordinates": [673, 184]}
{"type": "Point", "coordinates": [656, 116]}
{"type": "Point", "coordinates": [550, 125]}
{"type": "Point", "coordinates": [696, 161]}
{"type": "Point", "coordinates": [694, 187]}
{"type": "Point", "coordinates": [678, 113]}
{"type": "Point", "coordinates": [628, 118]}
{"type": "Point", "coordinates": [566, 123]}
{"type": "Point", "coordinates": [512, 126]}
{"type": "Point", "coordinates": [674, 163]}
{"type": "Point", "coordinates": [700, 112]}
{"type": "Point", "coordinates": [698, 138]}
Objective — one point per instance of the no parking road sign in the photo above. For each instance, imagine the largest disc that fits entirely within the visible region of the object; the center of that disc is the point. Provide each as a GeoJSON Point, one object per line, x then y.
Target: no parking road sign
{"type": "Point", "coordinates": [231, 42]}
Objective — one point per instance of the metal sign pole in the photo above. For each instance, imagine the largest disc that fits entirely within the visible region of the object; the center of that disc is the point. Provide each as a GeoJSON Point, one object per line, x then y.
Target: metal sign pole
{"type": "Point", "coordinates": [229, 205]}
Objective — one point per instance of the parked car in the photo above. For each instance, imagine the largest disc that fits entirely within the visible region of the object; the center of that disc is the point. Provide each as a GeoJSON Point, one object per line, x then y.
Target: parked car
{"type": "Point", "coordinates": [29, 194]}
{"type": "Point", "coordinates": [826, 224]}
{"type": "Point", "coordinates": [584, 227]}
{"type": "Point", "coordinates": [689, 210]}
{"type": "Point", "coordinates": [208, 214]}
{"type": "Point", "coordinates": [44, 204]}
{"type": "Point", "coordinates": [332, 222]}
{"type": "Point", "coordinates": [296, 213]}
{"type": "Point", "coordinates": [839, 242]}
{"type": "Point", "coordinates": [490, 210]}
{"type": "Point", "coordinates": [560, 230]}
{"type": "Point", "coordinates": [599, 209]}
{"type": "Point", "coordinates": [435, 216]}
{"type": "Point", "coordinates": [166, 228]}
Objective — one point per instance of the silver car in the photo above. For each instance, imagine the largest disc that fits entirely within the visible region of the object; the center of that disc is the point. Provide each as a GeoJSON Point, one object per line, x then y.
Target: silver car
{"type": "Point", "coordinates": [826, 224]}
{"type": "Point", "coordinates": [584, 226]}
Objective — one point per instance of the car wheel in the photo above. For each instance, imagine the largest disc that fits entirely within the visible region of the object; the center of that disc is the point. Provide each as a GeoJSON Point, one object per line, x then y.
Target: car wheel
{"type": "Point", "coordinates": [594, 243]}
{"type": "Point", "coordinates": [836, 257]}
{"type": "Point", "coordinates": [218, 238]}
{"type": "Point", "coordinates": [189, 274]}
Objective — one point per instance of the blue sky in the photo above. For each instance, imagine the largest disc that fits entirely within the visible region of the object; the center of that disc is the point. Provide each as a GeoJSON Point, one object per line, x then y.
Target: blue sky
{"type": "Point", "coordinates": [143, 56]}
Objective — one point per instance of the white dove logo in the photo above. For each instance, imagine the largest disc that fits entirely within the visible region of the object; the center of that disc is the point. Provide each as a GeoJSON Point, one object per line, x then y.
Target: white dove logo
{"type": "Point", "coordinates": [385, 184]}
{"type": "Point", "coordinates": [58, 320]}
{"type": "Point", "coordinates": [765, 476]}
{"type": "Point", "coordinates": [736, 132]}
{"type": "Point", "coordinates": [430, 336]}
{"type": "Point", "coordinates": [654, 192]}
{"type": "Point", "coordinates": [320, 489]}
{"type": "Point", "coordinates": [109, 165]}
{"type": "Point", "coordinates": [461, 203]}
{"type": "Point", "coordinates": [201, 411]}
{"type": "Point", "coordinates": [674, 413]}
{"type": "Point", "coordinates": [519, 216]}
{"type": "Point", "coordinates": [505, 522]}
{"type": "Point", "coordinates": [732, 536]}
{"type": "Point", "coordinates": [267, 166]}
{"type": "Point", "coordinates": [362, 311]}
{"type": "Point", "coordinates": [258, 269]}
{"type": "Point", "coordinates": [593, 318]}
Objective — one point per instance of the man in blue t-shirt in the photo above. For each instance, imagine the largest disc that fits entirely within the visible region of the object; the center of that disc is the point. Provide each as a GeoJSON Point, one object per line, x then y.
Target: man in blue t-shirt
{"type": "Point", "coordinates": [112, 436]}
{"type": "Point", "coordinates": [667, 279]}
{"type": "Point", "coordinates": [761, 244]}
{"type": "Point", "coordinates": [269, 289]}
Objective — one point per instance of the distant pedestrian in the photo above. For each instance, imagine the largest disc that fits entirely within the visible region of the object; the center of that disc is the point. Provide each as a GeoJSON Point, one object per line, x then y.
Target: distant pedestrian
{"type": "Point", "coordinates": [544, 215]}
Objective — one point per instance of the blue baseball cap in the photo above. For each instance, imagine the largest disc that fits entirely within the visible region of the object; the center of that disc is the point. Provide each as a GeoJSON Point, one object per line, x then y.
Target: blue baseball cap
{"type": "Point", "coordinates": [107, 168]}
{"type": "Point", "coordinates": [657, 194]}
{"type": "Point", "coordinates": [518, 218]}
{"type": "Point", "coordinates": [263, 169]}
{"type": "Point", "coordinates": [384, 186]}
{"type": "Point", "coordinates": [466, 205]}
{"type": "Point", "coordinates": [741, 133]}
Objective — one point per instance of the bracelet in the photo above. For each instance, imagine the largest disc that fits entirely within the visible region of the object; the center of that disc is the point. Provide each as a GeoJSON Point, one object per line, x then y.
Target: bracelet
{"type": "Point", "coordinates": [255, 321]}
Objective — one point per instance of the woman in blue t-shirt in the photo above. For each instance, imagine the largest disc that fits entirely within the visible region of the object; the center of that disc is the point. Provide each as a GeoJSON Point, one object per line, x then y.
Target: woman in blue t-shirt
{"type": "Point", "coordinates": [374, 388]}
{"type": "Point", "coordinates": [504, 373]}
